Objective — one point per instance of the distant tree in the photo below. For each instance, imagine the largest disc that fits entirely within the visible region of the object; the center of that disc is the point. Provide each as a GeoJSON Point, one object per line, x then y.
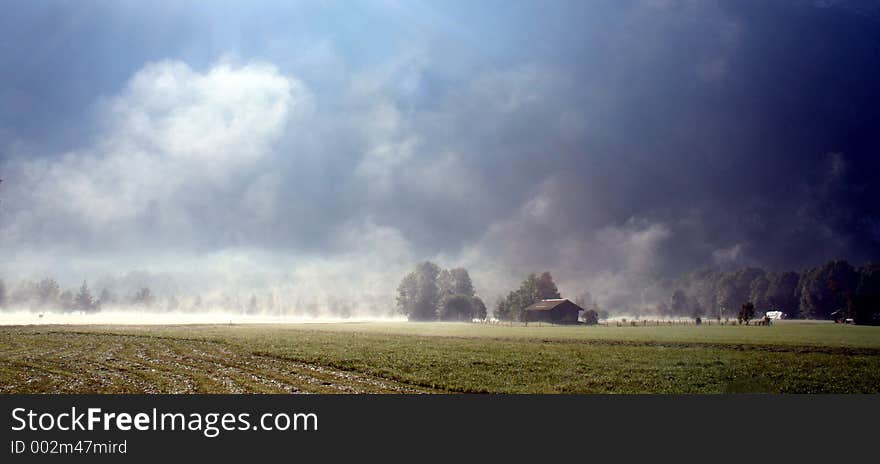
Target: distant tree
{"type": "Point", "coordinates": [746, 312]}
{"type": "Point", "coordinates": [445, 285]}
{"type": "Point", "coordinates": [457, 308]}
{"type": "Point", "coordinates": [66, 300]}
{"type": "Point", "coordinates": [47, 293]}
{"type": "Point", "coordinates": [143, 297]}
{"type": "Point", "coordinates": [408, 296]}
{"type": "Point", "coordinates": [461, 282]}
{"type": "Point", "coordinates": [479, 308]}
{"type": "Point", "coordinates": [826, 289]}
{"type": "Point", "coordinates": [172, 303]}
{"type": "Point", "coordinates": [532, 290]}
{"type": "Point", "coordinates": [547, 287]}
{"type": "Point", "coordinates": [457, 297]}
{"type": "Point", "coordinates": [528, 293]}
{"type": "Point", "coordinates": [865, 303]}
{"type": "Point", "coordinates": [782, 293]}
{"type": "Point", "coordinates": [701, 287]}
{"type": "Point", "coordinates": [84, 300]}
{"type": "Point", "coordinates": [678, 304]}
{"type": "Point", "coordinates": [107, 298]}
{"type": "Point", "coordinates": [503, 309]}
{"type": "Point", "coordinates": [735, 287]}
{"type": "Point", "coordinates": [453, 282]}
{"type": "Point", "coordinates": [758, 291]}
{"type": "Point", "coordinates": [418, 295]}
{"type": "Point", "coordinates": [253, 307]}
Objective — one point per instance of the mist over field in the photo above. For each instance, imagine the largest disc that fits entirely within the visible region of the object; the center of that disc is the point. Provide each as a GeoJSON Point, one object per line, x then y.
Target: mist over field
{"type": "Point", "coordinates": [126, 317]}
{"type": "Point", "coordinates": [294, 161]}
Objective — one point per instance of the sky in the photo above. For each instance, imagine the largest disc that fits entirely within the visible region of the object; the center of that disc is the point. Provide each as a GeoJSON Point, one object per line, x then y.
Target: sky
{"type": "Point", "coordinates": [323, 148]}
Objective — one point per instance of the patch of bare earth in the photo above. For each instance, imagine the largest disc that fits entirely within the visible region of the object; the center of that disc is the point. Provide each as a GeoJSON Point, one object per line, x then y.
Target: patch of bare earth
{"type": "Point", "coordinates": [97, 363]}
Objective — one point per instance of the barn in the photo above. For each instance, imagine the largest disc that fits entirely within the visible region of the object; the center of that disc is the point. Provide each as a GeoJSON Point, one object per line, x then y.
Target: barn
{"type": "Point", "coordinates": [558, 311]}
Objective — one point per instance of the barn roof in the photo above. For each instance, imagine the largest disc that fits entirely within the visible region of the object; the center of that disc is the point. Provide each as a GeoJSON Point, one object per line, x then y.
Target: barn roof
{"type": "Point", "coordinates": [545, 305]}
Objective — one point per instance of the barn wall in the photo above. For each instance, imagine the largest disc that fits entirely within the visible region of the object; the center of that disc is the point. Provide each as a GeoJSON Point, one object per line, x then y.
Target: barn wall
{"type": "Point", "coordinates": [562, 314]}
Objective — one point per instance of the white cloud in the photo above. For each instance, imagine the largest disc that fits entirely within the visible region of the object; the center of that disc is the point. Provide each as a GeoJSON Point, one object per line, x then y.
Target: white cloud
{"type": "Point", "coordinates": [389, 144]}
{"type": "Point", "coordinates": [634, 244]}
{"type": "Point", "coordinates": [171, 129]}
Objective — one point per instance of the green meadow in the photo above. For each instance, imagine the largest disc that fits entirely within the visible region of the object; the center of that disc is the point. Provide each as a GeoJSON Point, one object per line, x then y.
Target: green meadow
{"type": "Point", "coordinates": [402, 357]}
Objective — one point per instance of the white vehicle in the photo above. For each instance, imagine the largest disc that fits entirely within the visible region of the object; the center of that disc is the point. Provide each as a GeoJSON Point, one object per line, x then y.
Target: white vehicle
{"type": "Point", "coordinates": [775, 315]}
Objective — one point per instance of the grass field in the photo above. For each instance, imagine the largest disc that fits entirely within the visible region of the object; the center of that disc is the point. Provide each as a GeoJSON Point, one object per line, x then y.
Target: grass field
{"type": "Point", "coordinates": [788, 357]}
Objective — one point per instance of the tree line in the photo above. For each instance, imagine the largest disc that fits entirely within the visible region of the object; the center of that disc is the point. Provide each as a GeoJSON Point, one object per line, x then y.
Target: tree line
{"type": "Point", "coordinates": [833, 290]}
{"type": "Point", "coordinates": [430, 293]}
{"type": "Point", "coordinates": [47, 295]}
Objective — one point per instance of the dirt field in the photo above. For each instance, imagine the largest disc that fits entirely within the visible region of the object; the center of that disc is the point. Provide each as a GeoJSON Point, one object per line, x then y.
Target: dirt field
{"type": "Point", "coordinates": [107, 363]}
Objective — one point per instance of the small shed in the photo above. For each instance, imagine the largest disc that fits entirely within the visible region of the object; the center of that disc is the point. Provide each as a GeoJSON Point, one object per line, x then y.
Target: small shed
{"type": "Point", "coordinates": [557, 311]}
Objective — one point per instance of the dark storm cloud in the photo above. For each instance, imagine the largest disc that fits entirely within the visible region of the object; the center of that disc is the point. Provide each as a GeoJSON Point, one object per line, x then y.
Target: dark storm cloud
{"type": "Point", "coordinates": [605, 141]}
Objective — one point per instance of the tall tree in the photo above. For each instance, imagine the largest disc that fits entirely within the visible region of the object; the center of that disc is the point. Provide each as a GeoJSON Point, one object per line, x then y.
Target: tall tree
{"type": "Point", "coordinates": [503, 309]}
{"type": "Point", "coordinates": [458, 300]}
{"type": "Point", "coordinates": [84, 300]}
{"type": "Point", "coordinates": [456, 308]}
{"type": "Point", "coordinates": [678, 304]}
{"type": "Point", "coordinates": [253, 307]}
{"type": "Point", "coordinates": [782, 292]}
{"type": "Point", "coordinates": [547, 287]}
{"type": "Point", "coordinates": [418, 295]}
{"type": "Point", "coordinates": [445, 285]}
{"type": "Point", "coordinates": [703, 288]}
{"type": "Point", "coordinates": [143, 297]}
{"type": "Point", "coordinates": [532, 290]}
{"type": "Point", "coordinates": [758, 291]}
{"type": "Point", "coordinates": [461, 282]}
{"type": "Point", "coordinates": [735, 287]}
{"type": "Point", "coordinates": [107, 298]}
{"type": "Point", "coordinates": [479, 308]}
{"type": "Point", "coordinates": [47, 293]}
{"type": "Point", "coordinates": [865, 303]}
{"type": "Point", "coordinates": [67, 301]}
{"type": "Point", "coordinates": [408, 295]}
{"type": "Point", "coordinates": [827, 289]}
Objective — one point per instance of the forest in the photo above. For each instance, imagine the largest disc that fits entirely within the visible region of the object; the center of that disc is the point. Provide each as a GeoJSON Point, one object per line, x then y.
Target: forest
{"type": "Point", "coordinates": [834, 290]}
